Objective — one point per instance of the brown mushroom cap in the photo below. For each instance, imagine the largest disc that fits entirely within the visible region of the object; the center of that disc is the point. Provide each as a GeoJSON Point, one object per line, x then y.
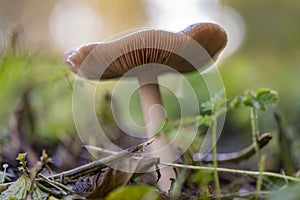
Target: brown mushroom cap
{"type": "Point", "coordinates": [114, 59]}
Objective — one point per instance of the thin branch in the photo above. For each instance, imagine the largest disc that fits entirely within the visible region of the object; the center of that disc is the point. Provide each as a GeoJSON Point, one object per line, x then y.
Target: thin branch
{"type": "Point", "coordinates": [243, 154]}
{"type": "Point", "coordinates": [96, 166]}
{"type": "Point", "coordinates": [234, 171]}
{"type": "Point", "coordinates": [55, 184]}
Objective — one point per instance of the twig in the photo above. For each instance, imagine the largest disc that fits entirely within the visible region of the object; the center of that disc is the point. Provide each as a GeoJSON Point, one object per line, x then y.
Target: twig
{"type": "Point", "coordinates": [234, 171]}
{"type": "Point", "coordinates": [49, 191]}
{"type": "Point", "coordinates": [95, 166]}
{"type": "Point", "coordinates": [243, 195]}
{"type": "Point", "coordinates": [235, 156]}
{"type": "Point", "coordinates": [55, 184]}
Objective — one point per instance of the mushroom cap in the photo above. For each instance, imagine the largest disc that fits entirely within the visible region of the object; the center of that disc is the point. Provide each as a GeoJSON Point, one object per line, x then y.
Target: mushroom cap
{"type": "Point", "coordinates": [105, 60]}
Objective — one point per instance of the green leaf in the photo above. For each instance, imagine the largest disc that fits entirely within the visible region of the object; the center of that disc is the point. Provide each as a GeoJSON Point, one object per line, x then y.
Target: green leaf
{"type": "Point", "coordinates": [217, 105]}
{"type": "Point", "coordinates": [267, 97]}
{"type": "Point", "coordinates": [204, 120]}
{"type": "Point", "coordinates": [202, 178]}
{"type": "Point", "coordinates": [248, 99]}
{"type": "Point", "coordinates": [135, 193]}
{"type": "Point", "coordinates": [22, 157]}
{"type": "Point", "coordinates": [4, 187]}
{"type": "Point", "coordinates": [260, 99]}
{"type": "Point", "coordinates": [206, 106]}
{"type": "Point", "coordinates": [235, 102]}
{"type": "Point", "coordinates": [19, 189]}
{"type": "Point", "coordinates": [286, 193]}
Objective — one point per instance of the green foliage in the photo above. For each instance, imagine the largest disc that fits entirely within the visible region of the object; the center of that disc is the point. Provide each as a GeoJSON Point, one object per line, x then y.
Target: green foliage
{"type": "Point", "coordinates": [45, 80]}
{"type": "Point", "coordinates": [235, 102]}
{"type": "Point", "coordinates": [286, 193]}
{"type": "Point", "coordinates": [22, 159]}
{"type": "Point", "coordinates": [204, 120]}
{"type": "Point", "coordinates": [135, 193]}
{"type": "Point", "coordinates": [257, 100]}
{"type": "Point", "coordinates": [269, 54]}
{"type": "Point", "coordinates": [20, 188]}
{"type": "Point", "coordinates": [267, 96]}
{"type": "Point", "coordinates": [202, 178]}
{"type": "Point", "coordinates": [217, 105]}
{"type": "Point", "coordinates": [13, 79]}
{"type": "Point", "coordinates": [206, 106]}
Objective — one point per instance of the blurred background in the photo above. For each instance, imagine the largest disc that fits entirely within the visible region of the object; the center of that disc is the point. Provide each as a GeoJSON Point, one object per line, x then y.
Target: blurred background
{"type": "Point", "coordinates": [263, 51]}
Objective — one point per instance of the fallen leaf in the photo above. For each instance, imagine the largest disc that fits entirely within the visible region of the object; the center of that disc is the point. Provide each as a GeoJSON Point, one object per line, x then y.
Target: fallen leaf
{"type": "Point", "coordinates": [135, 193]}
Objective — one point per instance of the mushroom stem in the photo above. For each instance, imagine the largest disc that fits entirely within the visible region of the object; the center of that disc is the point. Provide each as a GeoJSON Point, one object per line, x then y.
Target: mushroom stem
{"type": "Point", "coordinates": [155, 117]}
{"type": "Point", "coordinates": [152, 106]}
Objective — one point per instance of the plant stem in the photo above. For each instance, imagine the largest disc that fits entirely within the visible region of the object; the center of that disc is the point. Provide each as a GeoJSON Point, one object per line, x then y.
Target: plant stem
{"type": "Point", "coordinates": [255, 138]}
{"type": "Point", "coordinates": [215, 161]}
{"type": "Point", "coordinates": [234, 171]}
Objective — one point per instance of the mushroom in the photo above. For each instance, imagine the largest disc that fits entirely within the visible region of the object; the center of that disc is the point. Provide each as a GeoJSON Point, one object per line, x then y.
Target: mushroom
{"type": "Point", "coordinates": [146, 54]}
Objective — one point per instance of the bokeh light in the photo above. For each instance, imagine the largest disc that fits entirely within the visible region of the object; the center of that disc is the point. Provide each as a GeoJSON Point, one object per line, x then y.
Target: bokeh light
{"type": "Point", "coordinates": [175, 15]}
{"type": "Point", "coordinates": [73, 23]}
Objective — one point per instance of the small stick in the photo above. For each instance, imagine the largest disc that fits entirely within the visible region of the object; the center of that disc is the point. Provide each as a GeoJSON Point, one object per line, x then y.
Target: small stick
{"type": "Point", "coordinates": [234, 171]}
{"type": "Point", "coordinates": [243, 154]}
{"type": "Point", "coordinates": [95, 166]}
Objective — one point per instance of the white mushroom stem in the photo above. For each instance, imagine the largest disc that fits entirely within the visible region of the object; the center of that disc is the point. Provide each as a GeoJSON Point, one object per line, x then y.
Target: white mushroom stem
{"type": "Point", "coordinates": [153, 109]}
{"type": "Point", "coordinates": [155, 117]}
